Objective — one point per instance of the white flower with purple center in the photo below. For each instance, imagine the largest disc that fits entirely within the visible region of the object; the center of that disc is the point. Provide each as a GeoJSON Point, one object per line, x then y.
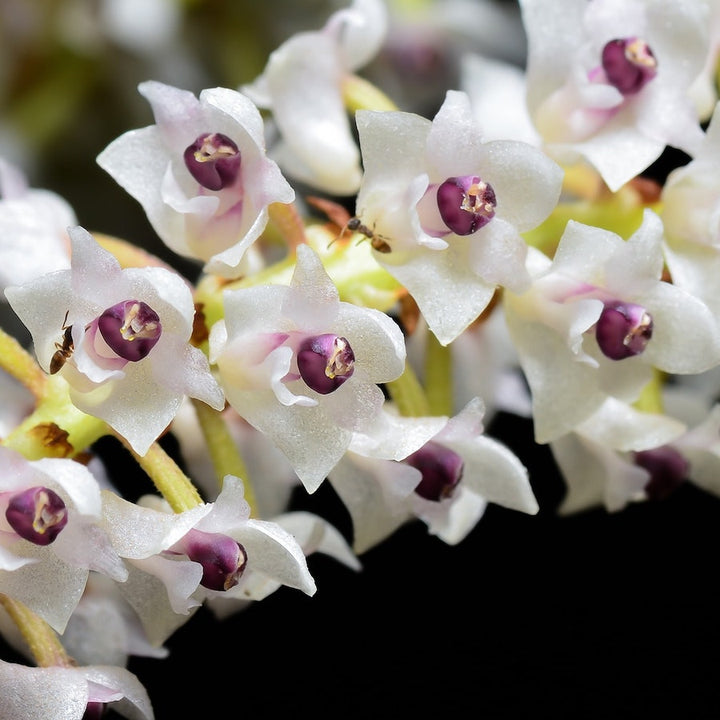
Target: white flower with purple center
{"type": "Point", "coordinates": [302, 86]}
{"type": "Point", "coordinates": [596, 321]}
{"type": "Point", "coordinates": [125, 337]}
{"type": "Point", "coordinates": [177, 560]}
{"type": "Point", "coordinates": [200, 174]}
{"type": "Point", "coordinates": [608, 80]}
{"type": "Point", "coordinates": [450, 208]}
{"type": "Point", "coordinates": [51, 536]}
{"type": "Point", "coordinates": [303, 367]}
{"type": "Point", "coordinates": [33, 229]}
{"type": "Point", "coordinates": [447, 482]}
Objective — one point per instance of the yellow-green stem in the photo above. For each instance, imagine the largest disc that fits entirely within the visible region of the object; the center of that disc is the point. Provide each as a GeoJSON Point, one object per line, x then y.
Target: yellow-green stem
{"type": "Point", "coordinates": [169, 479]}
{"type": "Point", "coordinates": [288, 221]}
{"type": "Point", "coordinates": [438, 376]}
{"type": "Point", "coordinates": [42, 640]}
{"type": "Point", "coordinates": [19, 363]}
{"type": "Point", "coordinates": [360, 94]}
{"type": "Point", "coordinates": [408, 395]}
{"type": "Point", "coordinates": [56, 428]}
{"type": "Point", "coordinates": [223, 449]}
{"type": "Point", "coordinates": [650, 399]}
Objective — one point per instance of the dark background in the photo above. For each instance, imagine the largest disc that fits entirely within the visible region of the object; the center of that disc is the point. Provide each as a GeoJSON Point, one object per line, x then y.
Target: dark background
{"type": "Point", "coordinates": [597, 615]}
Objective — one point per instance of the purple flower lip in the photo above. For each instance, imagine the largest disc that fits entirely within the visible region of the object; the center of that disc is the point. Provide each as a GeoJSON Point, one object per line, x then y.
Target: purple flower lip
{"type": "Point", "coordinates": [130, 328]}
{"type": "Point", "coordinates": [623, 330]}
{"type": "Point", "coordinates": [325, 362]}
{"type": "Point", "coordinates": [466, 203]}
{"type": "Point", "coordinates": [213, 160]}
{"type": "Point", "coordinates": [441, 470]}
{"type": "Point", "coordinates": [629, 64]}
{"type": "Point", "coordinates": [37, 514]}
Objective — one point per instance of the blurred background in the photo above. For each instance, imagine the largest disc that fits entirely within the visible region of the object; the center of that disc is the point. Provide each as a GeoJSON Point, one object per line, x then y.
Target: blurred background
{"type": "Point", "coordinates": [589, 616]}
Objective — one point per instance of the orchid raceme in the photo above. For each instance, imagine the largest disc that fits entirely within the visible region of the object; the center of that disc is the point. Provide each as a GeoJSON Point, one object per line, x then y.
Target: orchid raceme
{"type": "Point", "coordinates": [340, 287]}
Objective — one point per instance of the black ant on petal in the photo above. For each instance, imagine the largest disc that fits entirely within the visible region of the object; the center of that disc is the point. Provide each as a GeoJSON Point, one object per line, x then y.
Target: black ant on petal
{"type": "Point", "coordinates": [63, 350]}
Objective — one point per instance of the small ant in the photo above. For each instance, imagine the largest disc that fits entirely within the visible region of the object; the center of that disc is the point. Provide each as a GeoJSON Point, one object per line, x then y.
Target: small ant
{"type": "Point", "coordinates": [376, 241]}
{"type": "Point", "coordinates": [339, 216]}
{"type": "Point", "coordinates": [63, 350]}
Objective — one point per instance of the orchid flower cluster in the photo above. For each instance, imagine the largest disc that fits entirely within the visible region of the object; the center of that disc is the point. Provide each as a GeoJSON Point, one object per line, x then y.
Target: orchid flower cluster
{"type": "Point", "coordinates": [372, 286]}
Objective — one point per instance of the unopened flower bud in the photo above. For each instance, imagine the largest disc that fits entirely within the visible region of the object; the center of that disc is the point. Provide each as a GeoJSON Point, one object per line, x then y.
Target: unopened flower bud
{"type": "Point", "coordinates": [466, 203]}
{"type": "Point", "coordinates": [130, 328]}
{"type": "Point", "coordinates": [629, 64]}
{"type": "Point", "coordinates": [441, 470]}
{"type": "Point", "coordinates": [668, 470]}
{"type": "Point", "coordinates": [37, 514]}
{"type": "Point", "coordinates": [213, 160]}
{"type": "Point", "coordinates": [623, 330]}
{"type": "Point", "coordinates": [325, 362]}
{"type": "Point", "coordinates": [222, 558]}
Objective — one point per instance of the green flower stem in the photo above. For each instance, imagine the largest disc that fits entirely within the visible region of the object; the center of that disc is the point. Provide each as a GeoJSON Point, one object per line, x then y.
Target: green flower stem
{"type": "Point", "coordinates": [438, 376]}
{"type": "Point", "coordinates": [169, 479]}
{"type": "Point", "coordinates": [621, 213]}
{"type": "Point", "coordinates": [288, 221]}
{"type": "Point", "coordinates": [19, 363]}
{"type": "Point", "coordinates": [408, 395]}
{"type": "Point", "coordinates": [223, 449]}
{"type": "Point", "coordinates": [42, 640]}
{"type": "Point", "coordinates": [56, 428]}
{"type": "Point", "coordinates": [359, 94]}
{"type": "Point", "coordinates": [650, 399]}
{"type": "Point", "coordinates": [351, 266]}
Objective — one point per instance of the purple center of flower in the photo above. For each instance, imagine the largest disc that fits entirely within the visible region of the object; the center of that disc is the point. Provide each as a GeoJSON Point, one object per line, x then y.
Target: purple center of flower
{"type": "Point", "coordinates": [130, 328]}
{"type": "Point", "coordinates": [223, 559]}
{"type": "Point", "coordinates": [466, 203]}
{"type": "Point", "coordinates": [629, 64]}
{"type": "Point", "coordinates": [623, 330]}
{"type": "Point", "coordinates": [668, 470]}
{"type": "Point", "coordinates": [325, 362]}
{"type": "Point", "coordinates": [37, 514]}
{"type": "Point", "coordinates": [441, 470]}
{"type": "Point", "coordinates": [213, 160]}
